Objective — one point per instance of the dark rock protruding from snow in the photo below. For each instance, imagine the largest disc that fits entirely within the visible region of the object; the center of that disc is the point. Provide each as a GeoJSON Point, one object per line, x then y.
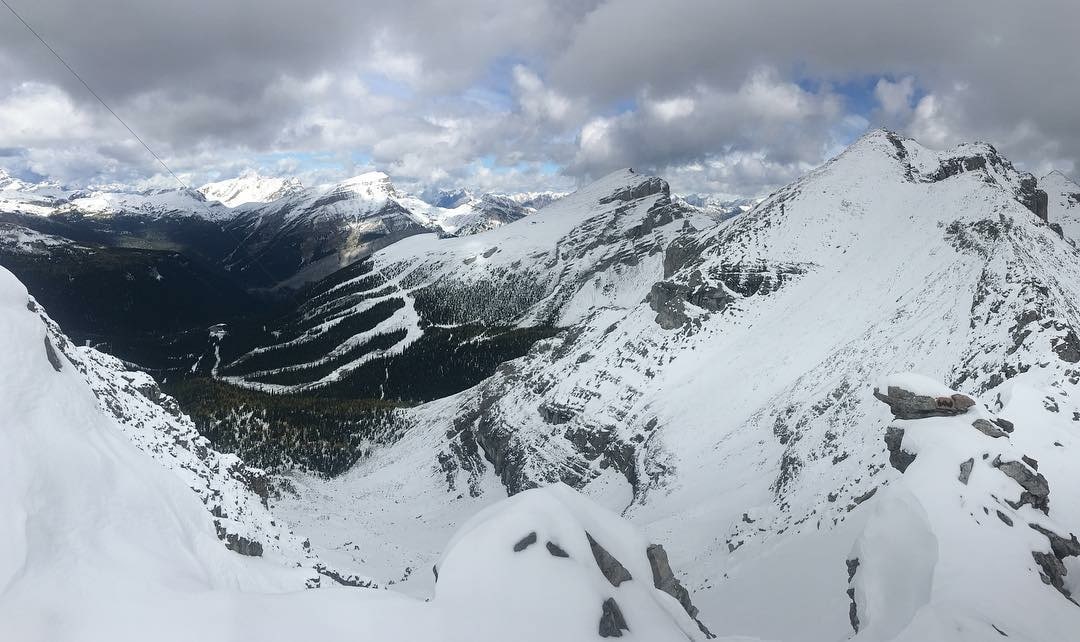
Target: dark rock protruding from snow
{"type": "Point", "coordinates": [905, 404]}
{"type": "Point", "coordinates": [612, 568]}
{"type": "Point", "coordinates": [556, 550]}
{"type": "Point", "coordinates": [525, 542]}
{"type": "Point", "coordinates": [665, 580]}
{"type": "Point", "coordinates": [1052, 563]}
{"type": "Point", "coordinates": [965, 471]}
{"type": "Point", "coordinates": [238, 543]}
{"type": "Point", "coordinates": [987, 428]}
{"type": "Point", "coordinates": [612, 622]}
{"type": "Point", "coordinates": [50, 353]}
{"type": "Point", "coordinates": [899, 458]}
{"type": "Point", "coordinates": [1036, 491]}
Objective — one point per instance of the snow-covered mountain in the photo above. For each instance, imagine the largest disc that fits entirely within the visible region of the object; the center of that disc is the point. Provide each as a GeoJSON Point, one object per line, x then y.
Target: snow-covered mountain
{"type": "Point", "coordinates": [715, 384]}
{"type": "Point", "coordinates": [721, 208]}
{"type": "Point", "coordinates": [250, 187]}
{"type": "Point", "coordinates": [727, 386]}
{"type": "Point", "coordinates": [268, 232]}
{"type": "Point", "coordinates": [311, 233]}
{"type": "Point", "coordinates": [119, 519]}
{"type": "Point", "coordinates": [1064, 203]}
{"type": "Point", "coordinates": [448, 295]}
{"type": "Point", "coordinates": [50, 199]}
{"type": "Point", "coordinates": [446, 198]}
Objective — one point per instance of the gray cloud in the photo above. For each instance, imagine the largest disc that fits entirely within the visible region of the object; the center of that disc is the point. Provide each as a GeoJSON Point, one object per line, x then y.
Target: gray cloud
{"type": "Point", "coordinates": [718, 96]}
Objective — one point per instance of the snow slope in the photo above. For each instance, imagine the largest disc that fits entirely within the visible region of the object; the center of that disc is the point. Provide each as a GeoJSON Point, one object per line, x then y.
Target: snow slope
{"type": "Point", "coordinates": [718, 390]}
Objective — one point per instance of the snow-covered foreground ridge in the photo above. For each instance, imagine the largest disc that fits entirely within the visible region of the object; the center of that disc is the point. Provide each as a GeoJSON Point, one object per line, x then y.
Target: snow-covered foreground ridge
{"type": "Point", "coordinates": [103, 538]}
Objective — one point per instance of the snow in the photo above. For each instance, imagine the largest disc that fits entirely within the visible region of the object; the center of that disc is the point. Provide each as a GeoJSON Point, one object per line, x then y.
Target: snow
{"type": "Point", "coordinates": [916, 383]}
{"type": "Point", "coordinates": [19, 239]}
{"type": "Point", "coordinates": [250, 187]}
{"type": "Point", "coordinates": [747, 440]}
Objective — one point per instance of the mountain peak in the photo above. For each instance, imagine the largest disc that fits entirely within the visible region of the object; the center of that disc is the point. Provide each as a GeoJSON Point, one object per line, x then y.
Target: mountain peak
{"type": "Point", "coordinates": [250, 187]}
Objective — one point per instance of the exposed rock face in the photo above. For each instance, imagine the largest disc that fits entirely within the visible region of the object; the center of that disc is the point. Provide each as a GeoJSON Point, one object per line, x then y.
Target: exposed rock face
{"type": "Point", "coordinates": [612, 568]}
{"type": "Point", "coordinates": [905, 404]}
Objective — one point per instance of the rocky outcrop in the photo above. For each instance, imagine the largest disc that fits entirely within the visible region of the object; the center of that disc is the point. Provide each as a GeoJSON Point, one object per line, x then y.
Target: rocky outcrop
{"type": "Point", "coordinates": [987, 428]}
{"type": "Point", "coordinates": [905, 404]}
{"type": "Point", "coordinates": [899, 458]}
{"type": "Point", "coordinates": [665, 580]}
{"type": "Point", "coordinates": [238, 543]}
{"type": "Point", "coordinates": [669, 300]}
{"type": "Point", "coordinates": [612, 568]}
{"type": "Point", "coordinates": [1036, 491]}
{"type": "Point", "coordinates": [965, 470]}
{"type": "Point", "coordinates": [1052, 563]}
{"type": "Point", "coordinates": [612, 622]}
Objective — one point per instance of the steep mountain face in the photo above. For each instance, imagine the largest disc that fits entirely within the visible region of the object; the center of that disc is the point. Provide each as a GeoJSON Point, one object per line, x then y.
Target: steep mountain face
{"type": "Point", "coordinates": [457, 307]}
{"type": "Point", "coordinates": [1064, 203]}
{"type": "Point", "coordinates": [714, 383]}
{"type": "Point", "coordinates": [309, 234]}
{"type": "Point", "coordinates": [250, 188]}
{"type": "Point", "coordinates": [117, 514]}
{"type": "Point", "coordinates": [154, 308]}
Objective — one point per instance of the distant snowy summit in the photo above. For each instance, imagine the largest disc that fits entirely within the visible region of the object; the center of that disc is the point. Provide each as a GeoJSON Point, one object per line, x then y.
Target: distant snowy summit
{"type": "Point", "coordinates": [250, 187]}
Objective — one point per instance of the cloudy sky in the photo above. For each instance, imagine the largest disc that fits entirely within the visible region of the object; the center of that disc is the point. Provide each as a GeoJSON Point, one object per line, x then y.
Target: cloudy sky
{"type": "Point", "coordinates": [719, 96]}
